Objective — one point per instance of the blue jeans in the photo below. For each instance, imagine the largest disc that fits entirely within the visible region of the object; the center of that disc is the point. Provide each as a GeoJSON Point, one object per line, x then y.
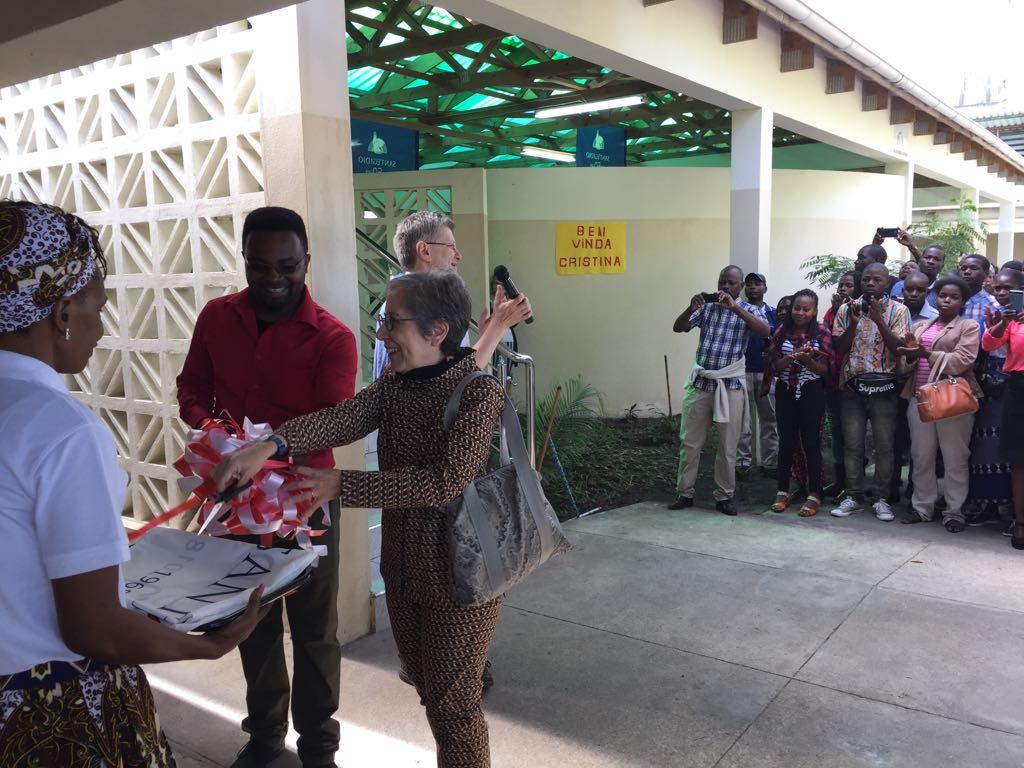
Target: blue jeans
{"type": "Point", "coordinates": [856, 411]}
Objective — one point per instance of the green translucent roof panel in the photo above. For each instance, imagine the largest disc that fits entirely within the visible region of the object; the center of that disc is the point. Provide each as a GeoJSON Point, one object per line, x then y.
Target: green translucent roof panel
{"type": "Point", "coordinates": [477, 90]}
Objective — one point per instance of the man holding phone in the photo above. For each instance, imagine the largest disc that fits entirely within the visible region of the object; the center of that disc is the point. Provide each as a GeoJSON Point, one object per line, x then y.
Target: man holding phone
{"type": "Point", "coordinates": [716, 390]}
{"type": "Point", "coordinates": [929, 261]}
{"type": "Point", "coordinates": [869, 332]}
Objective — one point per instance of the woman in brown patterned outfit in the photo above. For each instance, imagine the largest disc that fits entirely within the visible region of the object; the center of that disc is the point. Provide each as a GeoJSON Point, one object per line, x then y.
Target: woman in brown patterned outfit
{"type": "Point", "coordinates": [443, 645]}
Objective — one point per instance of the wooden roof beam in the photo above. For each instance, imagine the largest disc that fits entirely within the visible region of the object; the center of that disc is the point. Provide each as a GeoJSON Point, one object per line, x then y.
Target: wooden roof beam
{"type": "Point", "coordinates": [797, 52]}
{"type": "Point", "coordinates": [840, 77]}
{"type": "Point", "coordinates": [455, 41]}
{"type": "Point", "coordinates": [900, 111]}
{"type": "Point", "coordinates": [943, 134]}
{"type": "Point", "coordinates": [924, 123]}
{"type": "Point", "coordinates": [873, 97]}
{"type": "Point", "coordinates": [475, 82]}
{"type": "Point", "coordinates": [739, 22]}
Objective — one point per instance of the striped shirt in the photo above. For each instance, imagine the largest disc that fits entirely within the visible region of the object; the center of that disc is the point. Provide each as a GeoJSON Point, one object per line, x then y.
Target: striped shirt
{"type": "Point", "coordinates": [795, 375]}
{"type": "Point", "coordinates": [723, 340]}
{"type": "Point", "coordinates": [924, 367]}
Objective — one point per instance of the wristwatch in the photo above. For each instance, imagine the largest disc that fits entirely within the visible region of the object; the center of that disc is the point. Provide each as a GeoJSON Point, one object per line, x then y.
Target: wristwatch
{"type": "Point", "coordinates": [282, 446]}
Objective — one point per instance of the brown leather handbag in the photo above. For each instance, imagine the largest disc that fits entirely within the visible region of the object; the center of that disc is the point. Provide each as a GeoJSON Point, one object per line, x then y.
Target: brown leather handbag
{"type": "Point", "coordinates": [945, 398]}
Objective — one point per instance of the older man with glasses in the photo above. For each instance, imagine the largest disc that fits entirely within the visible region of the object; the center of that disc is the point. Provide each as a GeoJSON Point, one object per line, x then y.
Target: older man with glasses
{"type": "Point", "coordinates": [425, 240]}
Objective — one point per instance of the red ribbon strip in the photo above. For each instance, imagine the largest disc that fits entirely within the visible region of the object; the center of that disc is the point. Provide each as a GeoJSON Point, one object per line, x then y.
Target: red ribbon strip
{"type": "Point", "coordinates": [262, 509]}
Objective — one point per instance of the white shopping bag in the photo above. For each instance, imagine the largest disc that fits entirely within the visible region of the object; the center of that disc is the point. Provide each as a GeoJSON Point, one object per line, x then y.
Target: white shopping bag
{"type": "Point", "coordinates": [188, 581]}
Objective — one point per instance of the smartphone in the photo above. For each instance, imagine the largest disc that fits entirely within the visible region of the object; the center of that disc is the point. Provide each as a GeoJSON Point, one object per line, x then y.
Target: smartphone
{"type": "Point", "coordinates": [888, 231]}
{"type": "Point", "coordinates": [710, 298]}
{"type": "Point", "coordinates": [1017, 301]}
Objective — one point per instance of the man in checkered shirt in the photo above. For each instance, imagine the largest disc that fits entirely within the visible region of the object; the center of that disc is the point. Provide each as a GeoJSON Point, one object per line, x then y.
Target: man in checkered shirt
{"type": "Point", "coordinates": [725, 327]}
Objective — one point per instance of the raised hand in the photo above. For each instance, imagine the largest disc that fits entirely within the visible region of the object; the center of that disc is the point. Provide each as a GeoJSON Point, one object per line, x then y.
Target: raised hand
{"type": "Point", "coordinates": [509, 312]}
{"type": "Point", "coordinates": [697, 302]}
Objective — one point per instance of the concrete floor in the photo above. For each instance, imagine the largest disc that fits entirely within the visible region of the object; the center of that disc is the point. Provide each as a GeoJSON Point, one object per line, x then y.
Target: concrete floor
{"type": "Point", "coordinates": [693, 639]}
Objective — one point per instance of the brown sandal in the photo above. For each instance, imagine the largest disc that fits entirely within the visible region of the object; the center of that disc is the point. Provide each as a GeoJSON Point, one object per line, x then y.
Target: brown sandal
{"type": "Point", "coordinates": [810, 507]}
{"type": "Point", "coordinates": [781, 502]}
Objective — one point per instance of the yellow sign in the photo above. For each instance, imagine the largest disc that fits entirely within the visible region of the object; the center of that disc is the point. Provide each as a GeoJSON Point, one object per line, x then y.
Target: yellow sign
{"type": "Point", "coordinates": [590, 247]}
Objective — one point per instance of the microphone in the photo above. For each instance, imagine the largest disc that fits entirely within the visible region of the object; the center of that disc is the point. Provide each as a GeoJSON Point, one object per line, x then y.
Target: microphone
{"type": "Point", "coordinates": [501, 275]}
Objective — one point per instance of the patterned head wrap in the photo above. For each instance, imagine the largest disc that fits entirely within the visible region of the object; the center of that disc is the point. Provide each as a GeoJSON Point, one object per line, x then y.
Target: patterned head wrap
{"type": "Point", "coordinates": [45, 254]}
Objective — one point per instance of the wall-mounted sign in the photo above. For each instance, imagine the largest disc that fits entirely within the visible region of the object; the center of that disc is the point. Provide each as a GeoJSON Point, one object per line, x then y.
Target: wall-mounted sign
{"type": "Point", "coordinates": [600, 145]}
{"type": "Point", "coordinates": [590, 247]}
{"type": "Point", "coordinates": [378, 148]}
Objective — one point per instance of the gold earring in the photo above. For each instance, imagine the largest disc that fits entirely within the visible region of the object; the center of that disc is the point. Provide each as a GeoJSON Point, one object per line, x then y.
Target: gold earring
{"type": "Point", "coordinates": [67, 334]}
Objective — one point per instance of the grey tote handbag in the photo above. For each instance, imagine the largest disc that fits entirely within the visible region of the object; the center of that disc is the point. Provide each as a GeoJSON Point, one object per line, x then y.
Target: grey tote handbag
{"type": "Point", "coordinates": [501, 527]}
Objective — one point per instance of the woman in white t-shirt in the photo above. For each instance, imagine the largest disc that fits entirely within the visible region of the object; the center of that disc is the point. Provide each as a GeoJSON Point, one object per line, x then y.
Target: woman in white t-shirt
{"type": "Point", "coordinates": [71, 691]}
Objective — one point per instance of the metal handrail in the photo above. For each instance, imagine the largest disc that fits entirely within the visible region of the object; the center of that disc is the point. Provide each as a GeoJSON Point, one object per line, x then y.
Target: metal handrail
{"type": "Point", "coordinates": [505, 356]}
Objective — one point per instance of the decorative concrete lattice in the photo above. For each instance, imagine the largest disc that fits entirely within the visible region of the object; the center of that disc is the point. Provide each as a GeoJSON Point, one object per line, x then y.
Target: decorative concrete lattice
{"type": "Point", "coordinates": [160, 150]}
{"type": "Point", "coordinates": [379, 211]}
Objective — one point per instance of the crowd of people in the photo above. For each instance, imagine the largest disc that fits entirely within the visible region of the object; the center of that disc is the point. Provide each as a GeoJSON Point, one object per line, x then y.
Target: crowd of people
{"type": "Point", "coordinates": [776, 377]}
{"type": "Point", "coordinates": [72, 692]}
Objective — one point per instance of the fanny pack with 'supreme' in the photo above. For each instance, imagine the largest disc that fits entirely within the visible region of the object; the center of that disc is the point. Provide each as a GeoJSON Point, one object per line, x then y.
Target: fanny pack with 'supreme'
{"type": "Point", "coordinates": [873, 384]}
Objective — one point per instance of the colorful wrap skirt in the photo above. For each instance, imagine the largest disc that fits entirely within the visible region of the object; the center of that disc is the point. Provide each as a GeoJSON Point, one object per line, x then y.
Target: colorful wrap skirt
{"type": "Point", "coordinates": [84, 714]}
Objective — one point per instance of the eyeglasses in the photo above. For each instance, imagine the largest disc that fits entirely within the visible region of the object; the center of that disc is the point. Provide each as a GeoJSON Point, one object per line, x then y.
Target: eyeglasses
{"type": "Point", "coordinates": [285, 270]}
{"type": "Point", "coordinates": [454, 247]}
{"type": "Point", "coordinates": [389, 321]}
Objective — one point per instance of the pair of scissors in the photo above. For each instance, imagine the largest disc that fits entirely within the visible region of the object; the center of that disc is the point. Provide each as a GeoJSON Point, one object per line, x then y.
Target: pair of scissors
{"type": "Point", "coordinates": [220, 500]}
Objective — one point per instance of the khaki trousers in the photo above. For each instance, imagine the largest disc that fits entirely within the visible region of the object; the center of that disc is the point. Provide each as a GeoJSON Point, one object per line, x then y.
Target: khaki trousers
{"type": "Point", "coordinates": [696, 421]}
{"type": "Point", "coordinates": [767, 429]}
{"type": "Point", "coordinates": [953, 438]}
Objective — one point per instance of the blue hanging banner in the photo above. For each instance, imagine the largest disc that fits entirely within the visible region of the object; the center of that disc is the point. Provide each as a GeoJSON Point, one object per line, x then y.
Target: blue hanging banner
{"type": "Point", "coordinates": [600, 145]}
{"type": "Point", "coordinates": [378, 148]}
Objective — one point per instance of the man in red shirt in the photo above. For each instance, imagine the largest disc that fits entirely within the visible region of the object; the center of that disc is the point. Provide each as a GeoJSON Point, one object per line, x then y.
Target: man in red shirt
{"type": "Point", "coordinates": [269, 353]}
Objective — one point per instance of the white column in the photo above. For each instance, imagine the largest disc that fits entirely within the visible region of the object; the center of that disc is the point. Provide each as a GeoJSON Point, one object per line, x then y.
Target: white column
{"type": "Point", "coordinates": [906, 170]}
{"type": "Point", "coordinates": [302, 75]}
{"type": "Point", "coordinates": [1007, 222]}
{"type": "Point", "coordinates": [750, 210]}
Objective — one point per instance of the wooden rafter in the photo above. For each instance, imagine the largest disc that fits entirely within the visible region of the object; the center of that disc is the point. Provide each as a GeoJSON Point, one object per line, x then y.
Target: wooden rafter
{"type": "Point", "coordinates": [797, 52]}
{"type": "Point", "coordinates": [900, 111]}
{"type": "Point", "coordinates": [840, 77]}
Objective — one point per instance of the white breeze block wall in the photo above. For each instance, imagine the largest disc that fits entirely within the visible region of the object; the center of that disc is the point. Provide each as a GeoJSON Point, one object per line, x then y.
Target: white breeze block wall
{"type": "Point", "coordinates": [160, 150]}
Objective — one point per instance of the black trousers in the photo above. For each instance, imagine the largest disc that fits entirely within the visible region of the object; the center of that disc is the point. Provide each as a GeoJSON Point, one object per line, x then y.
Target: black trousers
{"type": "Point", "coordinates": [799, 422]}
{"type": "Point", "coordinates": [313, 620]}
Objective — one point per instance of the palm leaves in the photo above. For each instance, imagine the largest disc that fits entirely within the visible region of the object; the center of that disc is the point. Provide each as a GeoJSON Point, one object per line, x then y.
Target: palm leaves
{"type": "Point", "coordinates": [578, 401]}
{"type": "Point", "coordinates": [824, 270]}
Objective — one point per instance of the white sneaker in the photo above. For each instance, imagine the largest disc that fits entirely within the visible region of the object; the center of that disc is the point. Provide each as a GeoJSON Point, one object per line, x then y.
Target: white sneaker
{"type": "Point", "coordinates": [883, 511]}
{"type": "Point", "coordinates": [848, 507]}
